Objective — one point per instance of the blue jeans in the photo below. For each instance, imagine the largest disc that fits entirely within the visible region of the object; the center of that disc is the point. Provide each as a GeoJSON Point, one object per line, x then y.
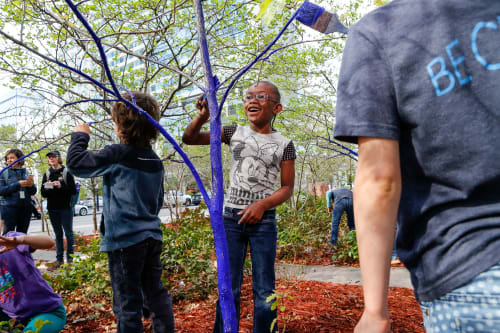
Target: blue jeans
{"type": "Point", "coordinates": [62, 219]}
{"type": "Point", "coordinates": [136, 282]}
{"type": "Point", "coordinates": [16, 219]}
{"type": "Point", "coordinates": [344, 205]}
{"type": "Point", "coordinates": [262, 240]}
{"type": "Point", "coordinates": [474, 307]}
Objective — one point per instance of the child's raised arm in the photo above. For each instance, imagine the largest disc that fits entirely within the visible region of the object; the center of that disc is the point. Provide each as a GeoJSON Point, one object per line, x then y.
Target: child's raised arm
{"type": "Point", "coordinates": [192, 134]}
{"type": "Point", "coordinates": [85, 163]}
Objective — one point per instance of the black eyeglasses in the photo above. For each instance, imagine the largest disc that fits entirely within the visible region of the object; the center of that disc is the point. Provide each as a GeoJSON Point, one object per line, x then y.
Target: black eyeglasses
{"type": "Point", "coordinates": [258, 97]}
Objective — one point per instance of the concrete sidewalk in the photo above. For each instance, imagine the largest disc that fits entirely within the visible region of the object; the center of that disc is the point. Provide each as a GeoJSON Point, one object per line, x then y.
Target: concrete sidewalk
{"type": "Point", "coordinates": [400, 277]}
{"type": "Point", "coordinates": [49, 256]}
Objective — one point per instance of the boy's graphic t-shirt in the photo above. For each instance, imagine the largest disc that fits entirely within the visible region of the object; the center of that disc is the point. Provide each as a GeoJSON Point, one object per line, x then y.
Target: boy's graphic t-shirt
{"type": "Point", "coordinates": [23, 291]}
{"type": "Point", "coordinates": [255, 164]}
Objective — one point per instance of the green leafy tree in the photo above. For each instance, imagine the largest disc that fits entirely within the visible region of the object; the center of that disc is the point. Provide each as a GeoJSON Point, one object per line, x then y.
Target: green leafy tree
{"type": "Point", "coordinates": [152, 46]}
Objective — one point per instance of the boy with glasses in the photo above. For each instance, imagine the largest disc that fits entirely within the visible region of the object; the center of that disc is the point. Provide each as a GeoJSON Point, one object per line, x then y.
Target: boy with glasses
{"type": "Point", "coordinates": [258, 155]}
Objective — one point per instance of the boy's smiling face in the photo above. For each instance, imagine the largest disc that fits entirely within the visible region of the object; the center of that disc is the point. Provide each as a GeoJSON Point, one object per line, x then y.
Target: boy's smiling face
{"type": "Point", "coordinates": [261, 112]}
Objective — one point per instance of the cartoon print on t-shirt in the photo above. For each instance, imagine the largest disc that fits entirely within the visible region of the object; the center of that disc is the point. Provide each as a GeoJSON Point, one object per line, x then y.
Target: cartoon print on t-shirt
{"type": "Point", "coordinates": [252, 161]}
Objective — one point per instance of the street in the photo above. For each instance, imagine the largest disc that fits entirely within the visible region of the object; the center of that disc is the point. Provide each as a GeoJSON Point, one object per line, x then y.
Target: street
{"type": "Point", "coordinates": [84, 225]}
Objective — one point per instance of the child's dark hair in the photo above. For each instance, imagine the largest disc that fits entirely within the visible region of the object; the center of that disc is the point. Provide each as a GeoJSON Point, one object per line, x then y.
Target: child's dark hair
{"type": "Point", "coordinates": [18, 152]}
{"type": "Point", "coordinates": [134, 128]}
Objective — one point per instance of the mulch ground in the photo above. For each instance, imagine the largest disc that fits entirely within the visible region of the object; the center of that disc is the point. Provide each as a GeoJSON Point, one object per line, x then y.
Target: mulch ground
{"type": "Point", "coordinates": [308, 306]}
{"type": "Point", "coordinates": [305, 306]}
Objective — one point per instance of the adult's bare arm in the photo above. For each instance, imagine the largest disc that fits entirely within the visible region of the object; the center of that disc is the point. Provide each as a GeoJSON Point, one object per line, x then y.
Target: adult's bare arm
{"type": "Point", "coordinates": [377, 193]}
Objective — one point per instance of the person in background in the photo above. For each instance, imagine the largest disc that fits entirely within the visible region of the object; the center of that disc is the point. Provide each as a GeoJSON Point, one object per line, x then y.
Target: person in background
{"type": "Point", "coordinates": [58, 186]}
{"type": "Point", "coordinates": [16, 188]}
{"type": "Point", "coordinates": [342, 202]}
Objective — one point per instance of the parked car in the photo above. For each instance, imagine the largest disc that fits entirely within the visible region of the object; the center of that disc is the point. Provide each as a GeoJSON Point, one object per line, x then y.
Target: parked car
{"type": "Point", "coordinates": [35, 208]}
{"type": "Point", "coordinates": [80, 209]}
{"type": "Point", "coordinates": [177, 197]}
{"type": "Point", "coordinates": [196, 199]}
{"type": "Point", "coordinates": [89, 202]}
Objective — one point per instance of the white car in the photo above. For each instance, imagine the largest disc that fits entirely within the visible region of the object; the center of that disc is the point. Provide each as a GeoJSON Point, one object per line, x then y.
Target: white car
{"type": "Point", "coordinates": [174, 198]}
{"type": "Point", "coordinates": [80, 209]}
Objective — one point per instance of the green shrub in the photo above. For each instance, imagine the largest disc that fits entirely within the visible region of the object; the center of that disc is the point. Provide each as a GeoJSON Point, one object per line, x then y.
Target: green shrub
{"type": "Point", "coordinates": [88, 273]}
{"type": "Point", "coordinates": [188, 261]}
{"type": "Point", "coordinates": [188, 256]}
{"type": "Point", "coordinates": [303, 230]}
{"type": "Point", "coordinates": [347, 247]}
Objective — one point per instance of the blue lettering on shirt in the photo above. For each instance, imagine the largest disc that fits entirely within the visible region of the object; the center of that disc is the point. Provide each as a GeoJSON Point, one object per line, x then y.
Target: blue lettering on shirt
{"type": "Point", "coordinates": [455, 63]}
{"type": "Point", "coordinates": [444, 73]}
{"type": "Point", "coordinates": [482, 60]}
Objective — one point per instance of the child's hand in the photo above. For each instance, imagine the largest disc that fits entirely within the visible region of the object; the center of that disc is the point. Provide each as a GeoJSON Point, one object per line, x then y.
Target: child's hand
{"type": "Point", "coordinates": [83, 128]}
{"type": "Point", "coordinates": [9, 243]}
{"type": "Point", "coordinates": [202, 106]}
{"type": "Point", "coordinates": [252, 214]}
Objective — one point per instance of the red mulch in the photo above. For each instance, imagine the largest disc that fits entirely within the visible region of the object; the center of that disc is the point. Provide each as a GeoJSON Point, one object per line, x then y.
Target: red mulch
{"type": "Point", "coordinates": [313, 307]}
{"type": "Point", "coordinates": [309, 306]}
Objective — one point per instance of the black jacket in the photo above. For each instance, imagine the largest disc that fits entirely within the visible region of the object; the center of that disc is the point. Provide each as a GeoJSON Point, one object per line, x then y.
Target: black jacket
{"type": "Point", "coordinates": [59, 198]}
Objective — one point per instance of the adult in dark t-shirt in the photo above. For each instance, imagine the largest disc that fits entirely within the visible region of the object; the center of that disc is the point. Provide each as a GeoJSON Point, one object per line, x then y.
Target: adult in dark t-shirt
{"type": "Point", "coordinates": [419, 92]}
